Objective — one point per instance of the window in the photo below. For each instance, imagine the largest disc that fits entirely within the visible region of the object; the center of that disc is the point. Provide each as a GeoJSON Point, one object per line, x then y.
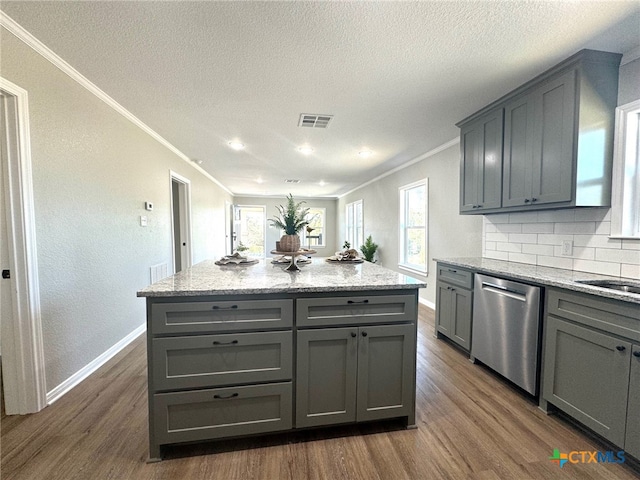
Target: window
{"type": "Point", "coordinates": [355, 227]}
{"type": "Point", "coordinates": [316, 218]}
{"type": "Point", "coordinates": [249, 228]}
{"type": "Point", "coordinates": [413, 226]}
{"type": "Point", "coordinates": [625, 211]}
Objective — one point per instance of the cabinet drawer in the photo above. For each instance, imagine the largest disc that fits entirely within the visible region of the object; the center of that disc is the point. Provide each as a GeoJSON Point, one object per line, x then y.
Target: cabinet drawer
{"type": "Point", "coordinates": [616, 317]}
{"type": "Point", "coordinates": [216, 360]}
{"type": "Point", "coordinates": [197, 317]}
{"type": "Point", "coordinates": [455, 276]}
{"type": "Point", "coordinates": [223, 412]}
{"type": "Point", "coordinates": [316, 312]}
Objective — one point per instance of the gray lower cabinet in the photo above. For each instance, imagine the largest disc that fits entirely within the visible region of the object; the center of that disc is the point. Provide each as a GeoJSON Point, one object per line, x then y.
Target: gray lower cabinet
{"type": "Point", "coordinates": [354, 374]}
{"type": "Point", "coordinates": [592, 364]}
{"type": "Point", "coordinates": [454, 305]}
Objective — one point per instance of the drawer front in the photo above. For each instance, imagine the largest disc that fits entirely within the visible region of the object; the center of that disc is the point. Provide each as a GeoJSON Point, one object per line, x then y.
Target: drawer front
{"type": "Point", "coordinates": [455, 276]}
{"type": "Point", "coordinates": [618, 318]}
{"type": "Point", "coordinates": [316, 312]}
{"type": "Point", "coordinates": [199, 317]}
{"type": "Point", "coordinates": [216, 360]}
{"type": "Point", "coordinates": [223, 412]}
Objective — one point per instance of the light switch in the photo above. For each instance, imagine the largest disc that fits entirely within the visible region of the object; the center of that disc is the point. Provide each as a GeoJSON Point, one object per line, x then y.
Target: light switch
{"type": "Point", "coordinates": [143, 220]}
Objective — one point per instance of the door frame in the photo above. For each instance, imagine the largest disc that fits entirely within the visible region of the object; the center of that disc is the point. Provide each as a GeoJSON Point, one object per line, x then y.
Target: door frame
{"type": "Point", "coordinates": [186, 259]}
{"type": "Point", "coordinates": [26, 360]}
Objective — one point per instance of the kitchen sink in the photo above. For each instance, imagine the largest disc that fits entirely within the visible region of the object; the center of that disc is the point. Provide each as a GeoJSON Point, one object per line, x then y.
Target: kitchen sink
{"type": "Point", "coordinates": [620, 285]}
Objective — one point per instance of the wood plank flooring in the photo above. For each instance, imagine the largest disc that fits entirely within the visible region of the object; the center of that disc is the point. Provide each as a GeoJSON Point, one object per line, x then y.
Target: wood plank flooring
{"type": "Point", "coordinates": [471, 425]}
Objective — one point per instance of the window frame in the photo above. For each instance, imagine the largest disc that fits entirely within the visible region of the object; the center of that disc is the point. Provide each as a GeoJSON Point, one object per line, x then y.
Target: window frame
{"type": "Point", "coordinates": [350, 219]}
{"type": "Point", "coordinates": [303, 238]}
{"type": "Point", "coordinates": [625, 203]}
{"type": "Point", "coordinates": [402, 227]}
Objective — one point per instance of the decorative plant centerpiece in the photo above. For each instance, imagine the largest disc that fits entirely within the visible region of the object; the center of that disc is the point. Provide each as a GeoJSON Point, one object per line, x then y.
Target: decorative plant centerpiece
{"type": "Point", "coordinates": [369, 249]}
{"type": "Point", "coordinates": [291, 219]}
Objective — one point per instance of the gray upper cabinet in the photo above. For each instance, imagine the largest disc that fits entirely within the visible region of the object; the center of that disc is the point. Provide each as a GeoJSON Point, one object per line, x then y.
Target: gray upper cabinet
{"type": "Point", "coordinates": [557, 148]}
{"type": "Point", "coordinates": [481, 166]}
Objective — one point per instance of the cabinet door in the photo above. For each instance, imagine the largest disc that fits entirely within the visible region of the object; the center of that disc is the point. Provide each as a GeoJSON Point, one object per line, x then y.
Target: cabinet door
{"type": "Point", "coordinates": [386, 360]}
{"type": "Point", "coordinates": [326, 376]}
{"type": "Point", "coordinates": [554, 126]}
{"type": "Point", "coordinates": [444, 309]}
{"type": "Point", "coordinates": [518, 152]}
{"type": "Point", "coordinates": [462, 306]}
{"type": "Point", "coordinates": [481, 164]}
{"type": "Point", "coordinates": [587, 376]}
{"type": "Point", "coordinates": [632, 440]}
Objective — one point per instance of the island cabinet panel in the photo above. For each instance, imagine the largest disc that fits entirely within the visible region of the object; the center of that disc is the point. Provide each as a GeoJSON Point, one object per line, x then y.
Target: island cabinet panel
{"type": "Point", "coordinates": [216, 360]}
{"type": "Point", "coordinates": [196, 317]}
{"type": "Point", "coordinates": [223, 412]}
{"type": "Point", "coordinates": [355, 374]}
{"type": "Point", "coordinates": [318, 312]}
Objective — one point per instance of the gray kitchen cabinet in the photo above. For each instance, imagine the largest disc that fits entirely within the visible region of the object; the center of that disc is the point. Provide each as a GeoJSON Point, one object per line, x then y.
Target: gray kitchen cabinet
{"type": "Point", "coordinates": [632, 436]}
{"type": "Point", "coordinates": [481, 166]}
{"type": "Point", "coordinates": [591, 365]}
{"type": "Point", "coordinates": [538, 144]}
{"type": "Point", "coordinates": [354, 374]}
{"type": "Point", "coordinates": [557, 148]}
{"type": "Point", "coordinates": [454, 305]}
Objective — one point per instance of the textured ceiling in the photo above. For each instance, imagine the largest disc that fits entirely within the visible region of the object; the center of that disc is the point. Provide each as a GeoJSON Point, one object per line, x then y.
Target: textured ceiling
{"type": "Point", "coordinates": [395, 75]}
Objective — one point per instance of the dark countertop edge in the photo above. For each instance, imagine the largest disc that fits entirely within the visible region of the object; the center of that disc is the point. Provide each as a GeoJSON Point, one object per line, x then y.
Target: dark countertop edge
{"type": "Point", "coordinates": [258, 291]}
{"type": "Point", "coordinates": [573, 285]}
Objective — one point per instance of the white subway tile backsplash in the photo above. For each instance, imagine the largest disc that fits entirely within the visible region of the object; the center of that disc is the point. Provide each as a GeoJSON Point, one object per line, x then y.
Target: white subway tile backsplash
{"type": "Point", "coordinates": [522, 258]}
{"type": "Point", "coordinates": [536, 249]}
{"type": "Point", "coordinates": [630, 271]}
{"type": "Point", "coordinates": [509, 247]}
{"type": "Point", "coordinates": [597, 241]}
{"type": "Point", "coordinates": [603, 268]}
{"type": "Point", "coordinates": [537, 227]}
{"type": "Point", "coordinates": [556, 262]}
{"type": "Point", "coordinates": [536, 238]}
{"type": "Point", "coordinates": [620, 256]}
{"type": "Point", "coordinates": [575, 227]}
{"type": "Point", "coordinates": [523, 237]}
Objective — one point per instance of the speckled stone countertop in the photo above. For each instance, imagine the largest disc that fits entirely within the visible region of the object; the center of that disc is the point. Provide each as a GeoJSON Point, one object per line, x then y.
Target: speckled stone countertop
{"type": "Point", "coordinates": [546, 276]}
{"type": "Point", "coordinates": [207, 278]}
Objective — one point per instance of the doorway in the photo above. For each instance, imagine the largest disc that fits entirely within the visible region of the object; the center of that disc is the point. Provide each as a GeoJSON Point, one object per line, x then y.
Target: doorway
{"type": "Point", "coordinates": [249, 229]}
{"type": "Point", "coordinates": [181, 222]}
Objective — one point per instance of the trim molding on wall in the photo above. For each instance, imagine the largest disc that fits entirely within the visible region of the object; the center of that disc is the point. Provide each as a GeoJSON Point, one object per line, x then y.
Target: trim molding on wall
{"type": "Point", "coordinates": [428, 154]}
{"type": "Point", "coordinates": [16, 29]}
{"type": "Point", "coordinates": [94, 365]}
{"type": "Point", "coordinates": [26, 360]}
{"type": "Point", "coordinates": [426, 303]}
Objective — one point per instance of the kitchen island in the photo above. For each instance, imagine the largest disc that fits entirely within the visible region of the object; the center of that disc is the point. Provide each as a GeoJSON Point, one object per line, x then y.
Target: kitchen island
{"type": "Point", "coordinates": [244, 350]}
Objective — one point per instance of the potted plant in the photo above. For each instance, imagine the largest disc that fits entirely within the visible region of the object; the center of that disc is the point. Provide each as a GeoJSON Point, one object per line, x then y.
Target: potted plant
{"type": "Point", "coordinates": [291, 219]}
{"type": "Point", "coordinates": [369, 249]}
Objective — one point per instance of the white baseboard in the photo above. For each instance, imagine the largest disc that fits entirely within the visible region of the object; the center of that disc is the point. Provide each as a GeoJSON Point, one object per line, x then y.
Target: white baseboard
{"type": "Point", "coordinates": [427, 303]}
{"type": "Point", "coordinates": [88, 369]}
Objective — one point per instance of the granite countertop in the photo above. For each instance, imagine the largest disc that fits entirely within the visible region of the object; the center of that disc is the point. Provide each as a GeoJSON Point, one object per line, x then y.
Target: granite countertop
{"type": "Point", "coordinates": [207, 278]}
{"type": "Point", "coordinates": [546, 276]}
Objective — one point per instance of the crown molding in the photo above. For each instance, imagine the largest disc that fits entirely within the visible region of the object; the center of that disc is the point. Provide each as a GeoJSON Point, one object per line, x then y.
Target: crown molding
{"type": "Point", "coordinates": [630, 56]}
{"type": "Point", "coordinates": [424, 156]}
{"type": "Point", "coordinates": [18, 31]}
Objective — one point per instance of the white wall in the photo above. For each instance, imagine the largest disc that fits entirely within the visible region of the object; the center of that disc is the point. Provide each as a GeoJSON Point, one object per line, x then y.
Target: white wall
{"type": "Point", "coordinates": [536, 237]}
{"type": "Point", "coordinates": [92, 172]}
{"type": "Point", "coordinates": [274, 234]}
{"type": "Point", "coordinates": [450, 234]}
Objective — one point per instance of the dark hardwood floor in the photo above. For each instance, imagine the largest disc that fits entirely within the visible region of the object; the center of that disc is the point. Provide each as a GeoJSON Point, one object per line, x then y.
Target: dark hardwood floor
{"type": "Point", "coordinates": [471, 425]}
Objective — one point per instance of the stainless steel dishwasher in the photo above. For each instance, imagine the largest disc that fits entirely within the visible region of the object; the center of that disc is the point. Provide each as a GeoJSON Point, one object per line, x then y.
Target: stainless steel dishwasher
{"type": "Point", "coordinates": [506, 329]}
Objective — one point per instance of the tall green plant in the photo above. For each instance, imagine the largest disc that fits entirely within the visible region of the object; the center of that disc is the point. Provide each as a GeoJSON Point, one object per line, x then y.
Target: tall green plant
{"type": "Point", "coordinates": [291, 218]}
{"type": "Point", "coordinates": [369, 249]}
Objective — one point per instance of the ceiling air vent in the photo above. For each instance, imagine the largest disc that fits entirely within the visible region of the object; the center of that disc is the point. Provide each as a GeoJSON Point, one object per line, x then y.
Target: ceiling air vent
{"type": "Point", "coordinates": [314, 121]}
{"type": "Point", "coordinates": [291, 181]}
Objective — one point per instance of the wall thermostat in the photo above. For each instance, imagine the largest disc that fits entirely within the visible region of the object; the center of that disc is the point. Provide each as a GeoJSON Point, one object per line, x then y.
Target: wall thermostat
{"type": "Point", "coordinates": [148, 206]}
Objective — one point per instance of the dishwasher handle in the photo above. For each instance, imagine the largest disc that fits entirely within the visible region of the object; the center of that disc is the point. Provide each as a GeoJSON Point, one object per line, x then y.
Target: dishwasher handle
{"type": "Point", "coordinates": [502, 290]}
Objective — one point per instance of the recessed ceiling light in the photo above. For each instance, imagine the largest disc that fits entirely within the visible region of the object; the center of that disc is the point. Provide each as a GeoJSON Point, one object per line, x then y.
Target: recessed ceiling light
{"type": "Point", "coordinates": [305, 150]}
{"type": "Point", "coordinates": [365, 153]}
{"type": "Point", "coordinates": [259, 180]}
{"type": "Point", "coordinates": [236, 145]}
{"type": "Point", "coordinates": [322, 183]}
